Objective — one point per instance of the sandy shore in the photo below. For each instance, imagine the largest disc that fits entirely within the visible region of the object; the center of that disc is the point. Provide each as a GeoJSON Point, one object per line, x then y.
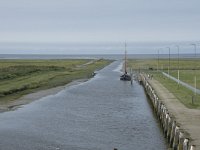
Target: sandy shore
{"type": "Point", "coordinates": [26, 99]}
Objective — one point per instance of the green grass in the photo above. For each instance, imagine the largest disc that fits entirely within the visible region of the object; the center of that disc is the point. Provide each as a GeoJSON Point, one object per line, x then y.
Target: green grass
{"type": "Point", "coordinates": [187, 76]}
{"type": "Point", "coordinates": [183, 94]}
{"type": "Point", "coordinates": [162, 64]}
{"type": "Point", "coordinates": [19, 77]}
{"type": "Point", "coordinates": [186, 67]}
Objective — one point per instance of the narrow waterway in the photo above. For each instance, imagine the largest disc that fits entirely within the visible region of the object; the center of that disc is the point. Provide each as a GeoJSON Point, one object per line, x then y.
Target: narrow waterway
{"type": "Point", "coordinates": [99, 114]}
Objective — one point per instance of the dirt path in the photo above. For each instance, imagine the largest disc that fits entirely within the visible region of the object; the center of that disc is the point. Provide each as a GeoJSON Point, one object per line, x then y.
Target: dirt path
{"type": "Point", "coordinates": [189, 119]}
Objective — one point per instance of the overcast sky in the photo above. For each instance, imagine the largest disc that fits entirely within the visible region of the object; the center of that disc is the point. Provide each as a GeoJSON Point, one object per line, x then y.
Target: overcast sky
{"type": "Point", "coordinates": [99, 20]}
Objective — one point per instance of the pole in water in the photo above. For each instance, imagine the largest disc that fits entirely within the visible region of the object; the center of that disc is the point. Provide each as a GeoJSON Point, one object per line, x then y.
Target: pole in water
{"type": "Point", "coordinates": [131, 76]}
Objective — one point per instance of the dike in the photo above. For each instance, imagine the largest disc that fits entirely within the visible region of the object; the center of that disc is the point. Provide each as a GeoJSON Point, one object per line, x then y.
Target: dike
{"type": "Point", "coordinates": [177, 137]}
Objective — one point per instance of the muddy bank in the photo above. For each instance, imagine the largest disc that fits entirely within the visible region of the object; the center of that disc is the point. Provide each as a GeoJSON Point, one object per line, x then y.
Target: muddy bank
{"type": "Point", "coordinates": [12, 105]}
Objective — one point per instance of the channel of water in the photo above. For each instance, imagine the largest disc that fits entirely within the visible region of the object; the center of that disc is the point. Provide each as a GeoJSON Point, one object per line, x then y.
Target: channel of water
{"type": "Point", "coordinates": [101, 114]}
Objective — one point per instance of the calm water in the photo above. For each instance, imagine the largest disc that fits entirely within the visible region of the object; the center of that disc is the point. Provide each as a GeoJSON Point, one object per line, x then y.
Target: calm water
{"type": "Point", "coordinates": [95, 48]}
{"type": "Point", "coordinates": [95, 56]}
{"type": "Point", "coordinates": [100, 114]}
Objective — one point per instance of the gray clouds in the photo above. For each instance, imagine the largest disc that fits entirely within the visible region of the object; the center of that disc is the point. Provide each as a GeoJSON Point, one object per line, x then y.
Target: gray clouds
{"type": "Point", "coordinates": [99, 20]}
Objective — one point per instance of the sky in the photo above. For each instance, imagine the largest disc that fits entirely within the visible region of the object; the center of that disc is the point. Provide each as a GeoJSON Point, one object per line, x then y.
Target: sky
{"type": "Point", "coordinates": [98, 21]}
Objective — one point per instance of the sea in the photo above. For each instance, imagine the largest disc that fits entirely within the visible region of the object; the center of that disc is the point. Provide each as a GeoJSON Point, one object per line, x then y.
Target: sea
{"type": "Point", "coordinates": [106, 50]}
{"type": "Point", "coordinates": [93, 56]}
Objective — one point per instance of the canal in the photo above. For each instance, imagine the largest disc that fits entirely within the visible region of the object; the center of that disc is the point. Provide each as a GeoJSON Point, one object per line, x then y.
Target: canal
{"type": "Point", "coordinates": [101, 114]}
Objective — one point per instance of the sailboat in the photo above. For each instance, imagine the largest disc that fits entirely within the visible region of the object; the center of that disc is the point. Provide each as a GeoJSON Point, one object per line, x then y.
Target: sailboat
{"type": "Point", "coordinates": [125, 76]}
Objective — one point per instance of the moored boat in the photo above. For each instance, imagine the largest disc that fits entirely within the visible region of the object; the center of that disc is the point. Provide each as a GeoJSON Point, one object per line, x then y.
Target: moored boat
{"type": "Point", "coordinates": [125, 76]}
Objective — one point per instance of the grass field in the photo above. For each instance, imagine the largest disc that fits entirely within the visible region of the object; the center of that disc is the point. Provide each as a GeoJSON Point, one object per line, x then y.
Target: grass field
{"type": "Point", "coordinates": [19, 77]}
{"type": "Point", "coordinates": [162, 64]}
{"type": "Point", "coordinates": [187, 76]}
{"type": "Point", "coordinates": [188, 68]}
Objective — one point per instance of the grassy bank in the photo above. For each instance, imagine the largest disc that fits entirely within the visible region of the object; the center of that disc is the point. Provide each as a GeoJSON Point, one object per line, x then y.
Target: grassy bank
{"type": "Point", "coordinates": [188, 68]}
{"type": "Point", "coordinates": [19, 77]}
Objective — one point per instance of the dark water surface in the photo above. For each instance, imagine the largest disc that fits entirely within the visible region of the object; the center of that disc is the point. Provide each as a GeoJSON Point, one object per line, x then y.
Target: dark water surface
{"type": "Point", "coordinates": [100, 114]}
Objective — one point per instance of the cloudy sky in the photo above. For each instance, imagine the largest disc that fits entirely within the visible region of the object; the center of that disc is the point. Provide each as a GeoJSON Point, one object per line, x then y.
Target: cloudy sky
{"type": "Point", "coordinates": [99, 20]}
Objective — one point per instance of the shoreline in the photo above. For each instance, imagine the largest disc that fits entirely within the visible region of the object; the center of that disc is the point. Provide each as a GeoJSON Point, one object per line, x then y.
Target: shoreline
{"type": "Point", "coordinates": [32, 84]}
{"type": "Point", "coordinates": [28, 98]}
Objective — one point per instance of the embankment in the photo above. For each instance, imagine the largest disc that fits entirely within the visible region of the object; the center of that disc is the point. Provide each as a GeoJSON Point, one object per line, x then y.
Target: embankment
{"type": "Point", "coordinates": [176, 121]}
{"type": "Point", "coordinates": [26, 99]}
{"type": "Point", "coordinates": [22, 81]}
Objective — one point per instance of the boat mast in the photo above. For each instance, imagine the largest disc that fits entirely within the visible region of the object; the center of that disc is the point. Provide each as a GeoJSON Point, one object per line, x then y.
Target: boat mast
{"type": "Point", "coordinates": [125, 60]}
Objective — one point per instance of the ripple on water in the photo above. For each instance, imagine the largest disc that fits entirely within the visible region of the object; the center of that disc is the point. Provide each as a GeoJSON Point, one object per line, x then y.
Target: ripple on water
{"type": "Point", "coordinates": [102, 113]}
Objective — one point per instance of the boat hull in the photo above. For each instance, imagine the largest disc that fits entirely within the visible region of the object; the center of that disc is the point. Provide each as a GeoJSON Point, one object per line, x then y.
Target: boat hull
{"type": "Point", "coordinates": [125, 77]}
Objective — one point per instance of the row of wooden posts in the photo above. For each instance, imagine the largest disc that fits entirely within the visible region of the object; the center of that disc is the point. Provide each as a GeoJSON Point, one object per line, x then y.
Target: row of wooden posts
{"type": "Point", "coordinates": [177, 138]}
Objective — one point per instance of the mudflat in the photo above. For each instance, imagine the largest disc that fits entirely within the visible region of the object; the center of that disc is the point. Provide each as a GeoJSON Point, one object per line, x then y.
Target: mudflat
{"type": "Point", "coordinates": [22, 81]}
{"type": "Point", "coordinates": [12, 105]}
